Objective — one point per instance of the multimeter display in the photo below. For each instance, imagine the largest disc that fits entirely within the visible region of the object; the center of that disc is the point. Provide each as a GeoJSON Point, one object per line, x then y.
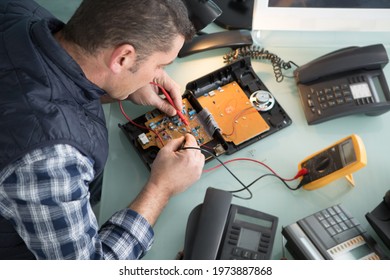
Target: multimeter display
{"type": "Point", "coordinates": [347, 152]}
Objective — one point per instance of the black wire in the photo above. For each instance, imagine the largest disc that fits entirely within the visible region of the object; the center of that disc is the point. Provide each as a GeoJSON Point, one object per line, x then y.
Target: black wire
{"type": "Point", "coordinates": [231, 173]}
{"type": "Point", "coordinates": [214, 156]}
{"type": "Point", "coordinates": [274, 175]}
{"type": "Point", "coordinates": [245, 187]}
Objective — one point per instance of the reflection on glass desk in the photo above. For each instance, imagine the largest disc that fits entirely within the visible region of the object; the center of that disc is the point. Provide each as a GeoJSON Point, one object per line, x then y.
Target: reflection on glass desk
{"type": "Point", "coordinates": [125, 173]}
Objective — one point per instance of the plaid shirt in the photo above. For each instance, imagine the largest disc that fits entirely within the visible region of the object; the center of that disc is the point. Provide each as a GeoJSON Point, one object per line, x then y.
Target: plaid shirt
{"type": "Point", "coordinates": [45, 194]}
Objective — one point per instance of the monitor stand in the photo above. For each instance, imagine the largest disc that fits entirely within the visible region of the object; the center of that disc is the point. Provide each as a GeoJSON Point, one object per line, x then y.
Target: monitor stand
{"type": "Point", "coordinates": [236, 14]}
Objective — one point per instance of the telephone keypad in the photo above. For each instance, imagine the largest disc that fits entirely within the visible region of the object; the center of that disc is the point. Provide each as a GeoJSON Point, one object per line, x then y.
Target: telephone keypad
{"type": "Point", "coordinates": [331, 233]}
{"type": "Point", "coordinates": [319, 100]}
{"type": "Point", "coordinates": [335, 220]}
{"type": "Point", "coordinates": [331, 97]}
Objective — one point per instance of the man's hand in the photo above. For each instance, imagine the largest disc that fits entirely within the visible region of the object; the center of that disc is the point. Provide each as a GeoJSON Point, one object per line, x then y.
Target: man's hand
{"type": "Point", "coordinates": [173, 171]}
{"type": "Point", "coordinates": [148, 95]}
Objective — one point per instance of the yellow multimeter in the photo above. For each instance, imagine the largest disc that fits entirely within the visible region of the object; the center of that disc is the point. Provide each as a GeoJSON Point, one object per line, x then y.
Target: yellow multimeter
{"type": "Point", "coordinates": [338, 160]}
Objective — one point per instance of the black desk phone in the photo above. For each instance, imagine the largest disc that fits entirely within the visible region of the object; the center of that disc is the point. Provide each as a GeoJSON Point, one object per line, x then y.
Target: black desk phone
{"type": "Point", "coordinates": [344, 82]}
{"type": "Point", "coordinates": [379, 219]}
{"type": "Point", "coordinates": [330, 234]}
{"type": "Point", "coordinates": [218, 229]}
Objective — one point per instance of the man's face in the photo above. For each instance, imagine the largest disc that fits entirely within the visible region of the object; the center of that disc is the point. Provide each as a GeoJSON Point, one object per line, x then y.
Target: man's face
{"type": "Point", "coordinates": [129, 81]}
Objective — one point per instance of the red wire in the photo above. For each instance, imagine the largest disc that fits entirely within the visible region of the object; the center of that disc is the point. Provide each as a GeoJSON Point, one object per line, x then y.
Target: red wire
{"type": "Point", "coordinates": [236, 118]}
{"type": "Point", "coordinates": [300, 173]}
{"type": "Point", "coordinates": [138, 125]}
{"type": "Point", "coordinates": [168, 97]}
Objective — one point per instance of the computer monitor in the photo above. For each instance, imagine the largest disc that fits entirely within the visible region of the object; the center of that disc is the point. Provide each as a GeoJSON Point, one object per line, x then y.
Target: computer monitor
{"type": "Point", "coordinates": [236, 14]}
{"type": "Point", "coordinates": [322, 15]}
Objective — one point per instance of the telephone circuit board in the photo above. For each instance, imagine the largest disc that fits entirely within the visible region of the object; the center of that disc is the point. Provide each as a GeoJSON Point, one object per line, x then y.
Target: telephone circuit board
{"type": "Point", "coordinates": [164, 128]}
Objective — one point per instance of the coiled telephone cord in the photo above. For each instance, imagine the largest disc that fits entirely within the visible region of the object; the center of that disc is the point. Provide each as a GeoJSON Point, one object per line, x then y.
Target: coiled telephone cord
{"type": "Point", "coordinates": [259, 53]}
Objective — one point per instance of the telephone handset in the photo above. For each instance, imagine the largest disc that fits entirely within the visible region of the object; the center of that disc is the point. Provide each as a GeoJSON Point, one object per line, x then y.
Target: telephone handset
{"type": "Point", "coordinates": [344, 82]}
{"type": "Point", "coordinates": [218, 229]}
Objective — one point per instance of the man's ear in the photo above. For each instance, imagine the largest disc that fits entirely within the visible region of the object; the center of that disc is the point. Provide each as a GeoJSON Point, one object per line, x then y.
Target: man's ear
{"type": "Point", "coordinates": [122, 58]}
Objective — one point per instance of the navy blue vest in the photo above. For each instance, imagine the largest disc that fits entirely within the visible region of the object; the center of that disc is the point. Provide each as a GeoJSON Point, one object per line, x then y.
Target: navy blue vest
{"type": "Point", "coordinates": [45, 98]}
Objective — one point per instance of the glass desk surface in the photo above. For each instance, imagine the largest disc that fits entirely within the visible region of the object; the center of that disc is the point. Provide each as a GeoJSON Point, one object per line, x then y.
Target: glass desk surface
{"type": "Point", "coordinates": [125, 173]}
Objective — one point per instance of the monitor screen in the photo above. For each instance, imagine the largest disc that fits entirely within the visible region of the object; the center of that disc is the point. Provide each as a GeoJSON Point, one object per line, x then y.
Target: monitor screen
{"type": "Point", "coordinates": [325, 15]}
{"type": "Point", "coordinates": [343, 4]}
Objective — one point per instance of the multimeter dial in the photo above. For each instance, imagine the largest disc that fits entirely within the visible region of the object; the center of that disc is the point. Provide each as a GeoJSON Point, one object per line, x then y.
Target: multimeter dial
{"type": "Point", "coordinates": [323, 164]}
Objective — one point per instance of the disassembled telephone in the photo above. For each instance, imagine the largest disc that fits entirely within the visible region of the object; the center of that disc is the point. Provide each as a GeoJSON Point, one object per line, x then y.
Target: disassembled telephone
{"type": "Point", "coordinates": [217, 229]}
{"type": "Point", "coordinates": [227, 110]}
{"type": "Point", "coordinates": [340, 159]}
{"type": "Point", "coordinates": [344, 82]}
{"type": "Point", "coordinates": [331, 234]}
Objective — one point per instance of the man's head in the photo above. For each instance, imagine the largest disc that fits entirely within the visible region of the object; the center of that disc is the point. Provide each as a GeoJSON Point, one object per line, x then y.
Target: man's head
{"type": "Point", "coordinates": [148, 25]}
{"type": "Point", "coordinates": [139, 28]}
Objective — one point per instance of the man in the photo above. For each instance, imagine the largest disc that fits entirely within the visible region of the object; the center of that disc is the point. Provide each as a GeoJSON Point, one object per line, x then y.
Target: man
{"type": "Point", "coordinates": [53, 136]}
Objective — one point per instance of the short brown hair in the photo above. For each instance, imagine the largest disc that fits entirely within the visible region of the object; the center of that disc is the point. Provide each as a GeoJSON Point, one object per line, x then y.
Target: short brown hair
{"type": "Point", "coordinates": [148, 25]}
